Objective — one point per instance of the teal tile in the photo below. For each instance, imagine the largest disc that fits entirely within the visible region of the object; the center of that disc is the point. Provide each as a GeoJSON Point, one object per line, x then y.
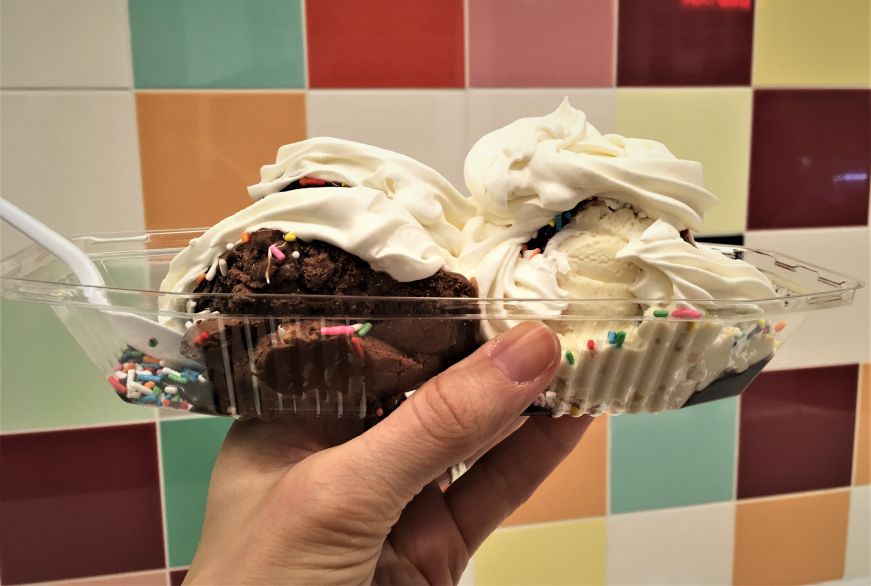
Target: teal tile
{"type": "Point", "coordinates": [47, 380]}
{"type": "Point", "coordinates": [217, 43]}
{"type": "Point", "coordinates": [189, 448]}
{"type": "Point", "coordinates": [673, 459]}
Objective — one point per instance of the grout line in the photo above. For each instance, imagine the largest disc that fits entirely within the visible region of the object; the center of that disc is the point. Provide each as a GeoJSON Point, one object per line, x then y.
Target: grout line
{"type": "Point", "coordinates": [608, 431]}
{"type": "Point", "coordinates": [305, 63]}
{"type": "Point", "coordinates": [737, 447]}
{"type": "Point", "coordinates": [128, 38]}
{"type": "Point", "coordinates": [91, 579]}
{"type": "Point", "coordinates": [60, 89]}
{"type": "Point", "coordinates": [160, 478]}
{"type": "Point", "coordinates": [467, 80]}
{"type": "Point", "coordinates": [793, 495]}
{"type": "Point", "coordinates": [859, 406]}
{"type": "Point", "coordinates": [615, 29]}
{"type": "Point", "coordinates": [213, 90]}
{"type": "Point", "coordinates": [80, 427]}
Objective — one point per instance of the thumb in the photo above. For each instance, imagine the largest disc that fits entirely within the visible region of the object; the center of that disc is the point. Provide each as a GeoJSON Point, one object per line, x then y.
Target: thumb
{"type": "Point", "coordinates": [454, 414]}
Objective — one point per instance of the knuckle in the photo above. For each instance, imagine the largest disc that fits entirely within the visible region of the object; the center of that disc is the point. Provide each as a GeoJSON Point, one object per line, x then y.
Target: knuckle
{"type": "Point", "coordinates": [446, 412]}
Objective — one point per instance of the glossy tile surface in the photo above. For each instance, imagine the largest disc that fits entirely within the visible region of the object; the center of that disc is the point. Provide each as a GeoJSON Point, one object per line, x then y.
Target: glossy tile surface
{"type": "Point", "coordinates": [176, 577]}
{"type": "Point", "coordinates": [399, 120]}
{"type": "Point", "coordinates": [796, 431]}
{"type": "Point", "coordinates": [547, 43]}
{"type": "Point", "coordinates": [137, 579]}
{"type": "Point", "coordinates": [489, 109]}
{"type": "Point", "coordinates": [217, 44]}
{"type": "Point", "coordinates": [684, 42]}
{"type": "Point", "coordinates": [811, 43]}
{"type": "Point", "coordinates": [862, 466]}
{"type": "Point", "coordinates": [70, 159]}
{"type": "Point", "coordinates": [91, 497]}
{"type": "Point", "coordinates": [673, 459]}
{"type": "Point", "coordinates": [189, 449]}
{"type": "Point", "coordinates": [798, 540]}
{"type": "Point", "coordinates": [684, 546]}
{"type": "Point", "coordinates": [578, 488]}
{"type": "Point", "coordinates": [385, 43]}
{"type": "Point", "coordinates": [843, 250]}
{"type": "Point", "coordinates": [200, 150]}
{"type": "Point", "coordinates": [810, 158]}
{"type": "Point", "coordinates": [56, 44]}
{"type": "Point", "coordinates": [29, 401]}
{"type": "Point", "coordinates": [711, 126]}
{"type": "Point", "coordinates": [558, 553]}
{"type": "Point", "coordinates": [858, 562]}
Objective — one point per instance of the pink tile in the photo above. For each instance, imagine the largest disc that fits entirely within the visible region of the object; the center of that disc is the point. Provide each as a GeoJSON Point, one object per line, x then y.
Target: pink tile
{"type": "Point", "coordinates": [541, 43]}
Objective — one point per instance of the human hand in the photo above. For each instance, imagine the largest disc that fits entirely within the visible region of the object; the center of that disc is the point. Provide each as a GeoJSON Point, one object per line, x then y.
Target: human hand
{"type": "Point", "coordinates": [290, 503]}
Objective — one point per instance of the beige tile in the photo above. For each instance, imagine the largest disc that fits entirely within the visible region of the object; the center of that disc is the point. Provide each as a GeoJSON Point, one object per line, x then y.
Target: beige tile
{"type": "Point", "coordinates": [710, 125]}
{"type": "Point", "coordinates": [811, 42]}
{"type": "Point", "coordinates": [692, 545]}
{"type": "Point", "coordinates": [830, 336]}
{"type": "Point", "coordinates": [488, 110]}
{"type": "Point", "coordinates": [63, 43]}
{"type": "Point", "coordinates": [71, 160]}
{"type": "Point", "coordinates": [557, 553]}
{"type": "Point", "coordinates": [136, 579]}
{"type": "Point", "coordinates": [426, 125]}
{"type": "Point", "coordinates": [858, 563]}
{"type": "Point", "coordinates": [862, 457]}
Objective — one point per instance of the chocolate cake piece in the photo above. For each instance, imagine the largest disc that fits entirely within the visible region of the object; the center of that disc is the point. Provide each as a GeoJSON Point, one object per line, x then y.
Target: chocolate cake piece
{"type": "Point", "coordinates": [286, 362]}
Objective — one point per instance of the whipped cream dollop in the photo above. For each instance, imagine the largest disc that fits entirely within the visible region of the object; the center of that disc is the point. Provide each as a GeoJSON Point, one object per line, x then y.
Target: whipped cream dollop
{"type": "Point", "coordinates": [362, 221]}
{"type": "Point", "coordinates": [430, 198]}
{"type": "Point", "coordinates": [521, 176]}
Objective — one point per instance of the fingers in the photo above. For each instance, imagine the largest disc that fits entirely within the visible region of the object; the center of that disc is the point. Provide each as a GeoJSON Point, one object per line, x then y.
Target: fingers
{"type": "Point", "coordinates": [507, 475]}
{"type": "Point", "coordinates": [454, 415]}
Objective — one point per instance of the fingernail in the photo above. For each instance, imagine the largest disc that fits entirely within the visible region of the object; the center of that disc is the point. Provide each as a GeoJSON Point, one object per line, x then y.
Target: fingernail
{"type": "Point", "coordinates": [525, 352]}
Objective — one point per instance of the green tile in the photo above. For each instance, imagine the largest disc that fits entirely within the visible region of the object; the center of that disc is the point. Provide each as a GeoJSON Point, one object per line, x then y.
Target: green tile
{"type": "Point", "coordinates": [673, 459]}
{"type": "Point", "coordinates": [217, 43]}
{"type": "Point", "coordinates": [710, 125]}
{"type": "Point", "coordinates": [189, 448]}
{"type": "Point", "coordinates": [47, 380]}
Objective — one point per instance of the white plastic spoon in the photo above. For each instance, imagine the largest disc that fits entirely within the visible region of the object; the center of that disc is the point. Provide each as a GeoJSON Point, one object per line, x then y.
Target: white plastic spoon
{"type": "Point", "coordinates": [137, 331]}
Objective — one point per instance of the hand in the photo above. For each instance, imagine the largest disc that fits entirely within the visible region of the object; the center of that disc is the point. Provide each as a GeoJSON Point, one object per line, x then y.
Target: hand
{"type": "Point", "coordinates": [289, 504]}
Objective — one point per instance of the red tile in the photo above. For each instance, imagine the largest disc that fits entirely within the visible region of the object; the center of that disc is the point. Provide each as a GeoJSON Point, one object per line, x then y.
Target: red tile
{"type": "Point", "coordinates": [385, 43]}
{"type": "Point", "coordinates": [517, 43]}
{"type": "Point", "coordinates": [684, 42]}
{"type": "Point", "coordinates": [810, 159]}
{"type": "Point", "coordinates": [796, 431]}
{"type": "Point", "coordinates": [79, 503]}
{"type": "Point", "coordinates": [176, 577]}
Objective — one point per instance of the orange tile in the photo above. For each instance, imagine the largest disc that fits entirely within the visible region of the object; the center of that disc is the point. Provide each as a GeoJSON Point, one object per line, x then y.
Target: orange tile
{"type": "Point", "coordinates": [575, 489]}
{"type": "Point", "coordinates": [795, 540]}
{"type": "Point", "coordinates": [199, 150]}
{"type": "Point", "coordinates": [862, 469]}
{"type": "Point", "coordinates": [143, 579]}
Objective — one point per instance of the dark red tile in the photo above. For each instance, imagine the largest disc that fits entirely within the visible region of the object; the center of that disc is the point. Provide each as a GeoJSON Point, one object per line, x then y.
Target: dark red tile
{"type": "Point", "coordinates": [176, 577]}
{"type": "Point", "coordinates": [385, 43]}
{"type": "Point", "coordinates": [810, 159]}
{"type": "Point", "coordinates": [796, 431]}
{"type": "Point", "coordinates": [79, 503]}
{"type": "Point", "coordinates": [684, 42]}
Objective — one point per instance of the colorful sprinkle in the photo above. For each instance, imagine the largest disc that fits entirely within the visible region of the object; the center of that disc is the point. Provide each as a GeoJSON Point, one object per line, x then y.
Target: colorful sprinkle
{"type": "Point", "coordinates": [339, 330]}
{"type": "Point", "coordinates": [177, 379]}
{"type": "Point", "coordinates": [201, 277]}
{"type": "Point", "coordinates": [289, 237]}
{"type": "Point", "coordinates": [779, 326]}
{"type": "Point", "coordinates": [222, 266]}
{"type": "Point", "coordinates": [149, 385]}
{"type": "Point", "coordinates": [379, 412]}
{"type": "Point", "coordinates": [276, 252]}
{"type": "Point", "coordinates": [365, 329]}
{"type": "Point", "coordinates": [312, 182]}
{"type": "Point", "coordinates": [246, 237]}
{"type": "Point", "coordinates": [612, 337]}
{"type": "Point", "coordinates": [535, 252]}
{"type": "Point", "coordinates": [686, 312]}
{"type": "Point", "coordinates": [558, 220]}
{"type": "Point", "coordinates": [294, 254]}
{"type": "Point", "coordinates": [660, 313]}
{"type": "Point", "coordinates": [591, 345]}
{"type": "Point", "coordinates": [551, 223]}
{"type": "Point", "coordinates": [201, 338]}
{"type": "Point", "coordinates": [152, 342]}
{"type": "Point", "coordinates": [358, 346]}
{"type": "Point", "coordinates": [570, 358]}
{"type": "Point", "coordinates": [576, 411]}
{"type": "Point", "coordinates": [117, 384]}
{"type": "Point", "coordinates": [619, 338]}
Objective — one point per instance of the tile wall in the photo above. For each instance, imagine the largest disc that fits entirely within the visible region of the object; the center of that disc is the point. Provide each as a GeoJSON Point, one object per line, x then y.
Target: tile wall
{"type": "Point", "coordinates": [123, 115]}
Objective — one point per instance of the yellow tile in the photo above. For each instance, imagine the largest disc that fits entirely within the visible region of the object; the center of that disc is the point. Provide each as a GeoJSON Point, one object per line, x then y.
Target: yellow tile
{"type": "Point", "coordinates": [811, 42]}
{"type": "Point", "coordinates": [559, 553]}
{"type": "Point", "coordinates": [707, 125]}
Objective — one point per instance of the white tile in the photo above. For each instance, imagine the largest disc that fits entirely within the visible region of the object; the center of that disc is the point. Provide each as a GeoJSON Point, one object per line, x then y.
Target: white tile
{"type": "Point", "coordinates": [691, 545]}
{"type": "Point", "coordinates": [426, 125]}
{"type": "Point", "coordinates": [72, 160]}
{"type": "Point", "coordinates": [468, 576]}
{"type": "Point", "coordinates": [858, 562]}
{"type": "Point", "coordinates": [65, 43]}
{"type": "Point", "coordinates": [494, 108]}
{"type": "Point", "coordinates": [830, 336]}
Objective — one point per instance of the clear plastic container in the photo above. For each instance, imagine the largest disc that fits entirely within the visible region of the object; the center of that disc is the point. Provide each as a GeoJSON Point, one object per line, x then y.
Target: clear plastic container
{"type": "Point", "coordinates": [619, 355]}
